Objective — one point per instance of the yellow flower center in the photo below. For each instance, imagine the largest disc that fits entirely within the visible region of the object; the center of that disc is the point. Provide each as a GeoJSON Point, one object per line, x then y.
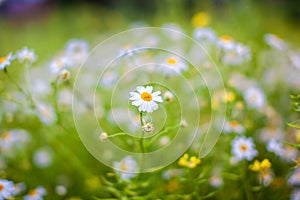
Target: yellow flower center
{"type": "Point", "coordinates": [123, 166]}
{"type": "Point", "coordinates": [244, 147]}
{"type": "Point", "coordinates": [32, 193]}
{"type": "Point", "coordinates": [226, 38]}
{"type": "Point", "coordinates": [234, 123]}
{"type": "Point", "coordinates": [146, 96]}
{"type": "Point", "coordinates": [5, 135]}
{"type": "Point", "coordinates": [59, 63]}
{"type": "Point", "coordinates": [171, 61]}
{"type": "Point", "coordinates": [1, 187]}
{"type": "Point", "coordinates": [2, 59]}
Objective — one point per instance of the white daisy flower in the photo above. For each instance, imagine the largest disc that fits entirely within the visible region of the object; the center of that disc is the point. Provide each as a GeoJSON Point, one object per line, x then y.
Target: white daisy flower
{"type": "Point", "coordinates": [13, 139]}
{"type": "Point", "coordinates": [236, 54]}
{"type": "Point", "coordinates": [145, 99]}
{"type": "Point", "coordinates": [26, 55]}
{"type": "Point", "coordinates": [275, 42]}
{"type": "Point", "coordinates": [126, 168]}
{"type": "Point", "coordinates": [7, 189]}
{"type": "Point", "coordinates": [233, 126]}
{"type": "Point", "coordinates": [42, 158]}
{"type": "Point", "coordinates": [5, 61]}
{"type": "Point", "coordinates": [225, 42]}
{"type": "Point", "coordinates": [35, 194]}
{"type": "Point", "coordinates": [173, 66]}
{"type": "Point", "coordinates": [59, 64]}
{"type": "Point", "coordinates": [243, 148]}
{"type": "Point", "coordinates": [254, 97]}
{"type": "Point", "coordinates": [206, 35]}
{"type": "Point", "coordinates": [77, 50]}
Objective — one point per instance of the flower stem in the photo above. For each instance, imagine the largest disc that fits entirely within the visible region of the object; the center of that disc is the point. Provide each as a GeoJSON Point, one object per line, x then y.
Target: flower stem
{"type": "Point", "coordinates": [143, 132]}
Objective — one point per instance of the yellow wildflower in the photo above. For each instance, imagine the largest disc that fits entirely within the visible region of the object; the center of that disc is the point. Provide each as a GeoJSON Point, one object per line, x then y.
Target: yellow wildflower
{"type": "Point", "coordinates": [189, 163]}
{"type": "Point", "coordinates": [201, 19]}
{"type": "Point", "coordinates": [260, 166]}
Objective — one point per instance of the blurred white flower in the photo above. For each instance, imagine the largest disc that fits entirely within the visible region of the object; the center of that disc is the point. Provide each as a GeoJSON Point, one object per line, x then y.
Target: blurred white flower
{"type": "Point", "coordinates": [295, 178]}
{"type": "Point", "coordinates": [6, 61]}
{"type": "Point", "coordinates": [145, 99]}
{"type": "Point", "coordinates": [243, 148]}
{"type": "Point", "coordinates": [295, 59]}
{"type": "Point", "coordinates": [77, 50]}
{"type": "Point", "coordinates": [205, 35]}
{"type": "Point", "coordinates": [173, 66]}
{"type": "Point", "coordinates": [276, 147]}
{"type": "Point", "coordinates": [7, 189]}
{"type": "Point", "coordinates": [216, 181]}
{"type": "Point", "coordinates": [108, 79]}
{"type": "Point", "coordinates": [173, 31]}
{"type": "Point", "coordinates": [64, 74]}
{"type": "Point", "coordinates": [271, 133]}
{"type": "Point", "coordinates": [13, 139]}
{"type": "Point", "coordinates": [26, 55]}
{"type": "Point", "coordinates": [103, 136]}
{"type": "Point", "coordinates": [275, 42]}
{"type": "Point", "coordinates": [42, 158]}
{"type": "Point", "coordinates": [236, 54]}
{"type": "Point", "coordinates": [168, 96]}
{"type": "Point", "coordinates": [254, 97]}
{"type": "Point", "coordinates": [35, 194]}
{"type": "Point", "coordinates": [164, 140]}
{"type": "Point", "coordinates": [61, 190]}
{"type": "Point", "coordinates": [126, 168]}
{"type": "Point", "coordinates": [233, 127]}
{"type": "Point", "coordinates": [46, 114]}
{"type": "Point", "coordinates": [265, 177]}
{"type": "Point", "coordinates": [225, 42]}
{"type": "Point", "coordinates": [19, 187]}
{"type": "Point", "coordinates": [295, 194]}
{"type": "Point", "coordinates": [171, 173]}
{"type": "Point", "coordinates": [59, 64]}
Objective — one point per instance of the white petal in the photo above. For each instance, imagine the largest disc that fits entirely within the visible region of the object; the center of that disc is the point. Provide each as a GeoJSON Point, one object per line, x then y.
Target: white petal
{"type": "Point", "coordinates": [154, 94]}
{"type": "Point", "coordinates": [135, 96]}
{"type": "Point", "coordinates": [137, 103]}
{"type": "Point", "coordinates": [158, 99]}
{"type": "Point", "coordinates": [140, 89]}
{"type": "Point", "coordinates": [149, 89]}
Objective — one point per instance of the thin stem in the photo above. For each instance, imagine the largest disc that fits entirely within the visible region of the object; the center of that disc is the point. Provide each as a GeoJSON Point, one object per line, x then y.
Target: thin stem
{"type": "Point", "coordinates": [55, 87]}
{"type": "Point", "coordinates": [143, 132]}
{"type": "Point", "coordinates": [28, 82]}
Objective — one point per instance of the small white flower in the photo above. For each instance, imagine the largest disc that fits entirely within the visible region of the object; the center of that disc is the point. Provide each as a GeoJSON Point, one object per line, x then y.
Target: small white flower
{"type": "Point", "coordinates": [77, 50]}
{"type": "Point", "coordinates": [26, 55]}
{"type": "Point", "coordinates": [206, 35]}
{"type": "Point", "coordinates": [126, 168]}
{"type": "Point", "coordinates": [145, 99]}
{"type": "Point", "coordinates": [271, 133]}
{"type": "Point", "coordinates": [42, 158]}
{"type": "Point", "coordinates": [46, 114]}
{"type": "Point", "coordinates": [275, 42]}
{"type": "Point", "coordinates": [148, 127]}
{"type": "Point", "coordinates": [60, 190]}
{"type": "Point", "coordinates": [59, 64]}
{"type": "Point", "coordinates": [173, 66]}
{"type": "Point", "coordinates": [216, 181]}
{"type": "Point", "coordinates": [168, 96]}
{"type": "Point", "coordinates": [35, 194]}
{"type": "Point", "coordinates": [243, 148]}
{"type": "Point", "coordinates": [236, 54]}
{"type": "Point", "coordinates": [103, 136]}
{"type": "Point", "coordinates": [225, 42]}
{"type": "Point", "coordinates": [233, 126]}
{"type": "Point", "coordinates": [64, 74]}
{"type": "Point", "coordinates": [7, 189]}
{"type": "Point", "coordinates": [13, 139]}
{"type": "Point", "coordinates": [275, 147]}
{"type": "Point", "coordinates": [254, 97]}
{"type": "Point", "coordinates": [5, 61]}
{"type": "Point", "coordinates": [295, 178]}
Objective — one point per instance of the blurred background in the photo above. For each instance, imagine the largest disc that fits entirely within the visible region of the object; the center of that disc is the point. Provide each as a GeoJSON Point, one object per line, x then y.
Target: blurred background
{"type": "Point", "coordinates": [46, 25]}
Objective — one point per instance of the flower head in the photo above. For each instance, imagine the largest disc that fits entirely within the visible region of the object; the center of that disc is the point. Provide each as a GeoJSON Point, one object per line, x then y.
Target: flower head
{"type": "Point", "coordinates": [201, 19]}
{"type": "Point", "coordinates": [35, 194]}
{"type": "Point", "coordinates": [126, 168]}
{"type": "Point", "coordinates": [233, 126]}
{"type": "Point", "coordinates": [254, 97]}
{"type": "Point", "coordinates": [191, 162]}
{"type": "Point", "coordinates": [7, 189]}
{"type": "Point", "coordinates": [148, 127]}
{"type": "Point", "coordinates": [260, 166]}
{"type": "Point", "coordinates": [206, 35]}
{"type": "Point", "coordinates": [173, 66]}
{"type": "Point", "coordinates": [26, 55]}
{"type": "Point", "coordinates": [145, 99]}
{"type": "Point", "coordinates": [59, 64]}
{"type": "Point", "coordinates": [243, 148]}
{"type": "Point", "coordinates": [5, 61]}
{"type": "Point", "coordinates": [275, 42]}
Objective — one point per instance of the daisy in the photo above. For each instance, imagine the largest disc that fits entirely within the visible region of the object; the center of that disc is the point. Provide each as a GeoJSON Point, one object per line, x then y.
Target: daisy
{"type": "Point", "coordinates": [173, 66]}
{"type": "Point", "coordinates": [7, 189]}
{"type": "Point", "coordinates": [77, 50]}
{"type": "Point", "coordinates": [243, 148]}
{"type": "Point", "coordinates": [225, 42]}
{"type": "Point", "coordinates": [126, 168]}
{"type": "Point", "coordinates": [275, 42]}
{"type": "Point", "coordinates": [233, 126]}
{"type": "Point", "coordinates": [26, 55]}
{"type": "Point", "coordinates": [145, 99]}
{"type": "Point", "coordinates": [236, 55]}
{"type": "Point", "coordinates": [59, 63]}
{"type": "Point", "coordinates": [35, 194]}
{"type": "Point", "coordinates": [5, 61]}
{"type": "Point", "coordinates": [254, 97]}
{"type": "Point", "coordinates": [206, 35]}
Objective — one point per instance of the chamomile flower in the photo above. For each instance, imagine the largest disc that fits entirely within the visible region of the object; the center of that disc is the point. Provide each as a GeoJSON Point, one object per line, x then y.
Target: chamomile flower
{"type": "Point", "coordinates": [236, 55]}
{"type": "Point", "coordinates": [26, 55]}
{"type": "Point", "coordinates": [59, 64]}
{"type": "Point", "coordinates": [35, 194]}
{"type": "Point", "coordinates": [77, 50]}
{"type": "Point", "coordinates": [6, 60]}
{"type": "Point", "coordinates": [254, 97]}
{"type": "Point", "coordinates": [7, 189]}
{"type": "Point", "coordinates": [225, 42]}
{"type": "Point", "coordinates": [275, 42]}
{"type": "Point", "coordinates": [206, 35]}
{"type": "Point", "coordinates": [145, 99]}
{"type": "Point", "coordinates": [126, 168]}
{"type": "Point", "coordinates": [233, 126]}
{"type": "Point", "coordinates": [243, 148]}
{"type": "Point", "coordinates": [173, 66]}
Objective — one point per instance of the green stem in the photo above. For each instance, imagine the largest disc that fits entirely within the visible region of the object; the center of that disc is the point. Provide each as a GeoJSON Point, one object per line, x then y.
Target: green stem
{"type": "Point", "coordinates": [142, 136]}
{"type": "Point", "coordinates": [245, 182]}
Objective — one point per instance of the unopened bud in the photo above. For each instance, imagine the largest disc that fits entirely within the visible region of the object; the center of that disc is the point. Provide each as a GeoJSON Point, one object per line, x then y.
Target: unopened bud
{"type": "Point", "coordinates": [148, 127]}
{"type": "Point", "coordinates": [103, 136]}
